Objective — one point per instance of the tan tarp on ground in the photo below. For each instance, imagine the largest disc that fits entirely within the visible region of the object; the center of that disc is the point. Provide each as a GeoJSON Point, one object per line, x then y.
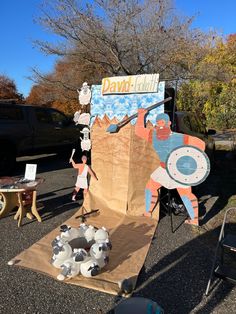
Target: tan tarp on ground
{"type": "Point", "coordinates": [123, 164]}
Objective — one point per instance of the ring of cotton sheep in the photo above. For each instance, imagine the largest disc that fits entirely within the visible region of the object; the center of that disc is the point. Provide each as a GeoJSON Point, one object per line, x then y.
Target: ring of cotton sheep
{"type": "Point", "coordinates": [84, 250]}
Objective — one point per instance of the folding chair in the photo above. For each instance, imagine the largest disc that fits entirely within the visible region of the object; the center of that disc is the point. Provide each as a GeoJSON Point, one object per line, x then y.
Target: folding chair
{"type": "Point", "coordinates": [224, 266]}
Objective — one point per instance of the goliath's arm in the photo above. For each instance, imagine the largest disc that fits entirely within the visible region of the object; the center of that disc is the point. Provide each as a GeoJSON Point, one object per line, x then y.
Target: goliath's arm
{"type": "Point", "coordinates": [140, 129]}
{"type": "Point", "coordinates": [194, 141]}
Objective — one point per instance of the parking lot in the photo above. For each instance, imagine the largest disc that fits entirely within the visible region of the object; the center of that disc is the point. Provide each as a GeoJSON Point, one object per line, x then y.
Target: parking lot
{"type": "Point", "coordinates": [175, 273]}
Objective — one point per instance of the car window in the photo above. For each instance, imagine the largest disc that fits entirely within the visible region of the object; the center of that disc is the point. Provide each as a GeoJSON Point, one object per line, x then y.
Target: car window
{"type": "Point", "coordinates": [187, 122]}
{"type": "Point", "coordinates": [43, 116]}
{"type": "Point", "coordinates": [58, 118]}
{"type": "Point", "coordinates": [196, 125]}
{"type": "Point", "coordinates": [201, 126]}
{"type": "Point", "coordinates": [11, 113]}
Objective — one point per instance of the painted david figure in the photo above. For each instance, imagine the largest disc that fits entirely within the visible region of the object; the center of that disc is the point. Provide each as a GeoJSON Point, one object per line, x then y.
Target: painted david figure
{"type": "Point", "coordinates": [183, 163]}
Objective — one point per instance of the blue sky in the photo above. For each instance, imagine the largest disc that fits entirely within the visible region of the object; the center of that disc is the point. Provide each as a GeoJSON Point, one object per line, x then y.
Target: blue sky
{"type": "Point", "coordinates": [17, 55]}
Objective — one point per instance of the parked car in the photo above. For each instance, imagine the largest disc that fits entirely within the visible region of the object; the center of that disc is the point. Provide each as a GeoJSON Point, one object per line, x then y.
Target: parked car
{"type": "Point", "coordinates": [190, 123]}
{"type": "Point", "coordinates": [29, 130]}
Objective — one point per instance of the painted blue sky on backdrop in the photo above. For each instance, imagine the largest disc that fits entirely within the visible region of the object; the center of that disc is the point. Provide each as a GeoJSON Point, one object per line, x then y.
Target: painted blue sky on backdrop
{"type": "Point", "coordinates": [17, 54]}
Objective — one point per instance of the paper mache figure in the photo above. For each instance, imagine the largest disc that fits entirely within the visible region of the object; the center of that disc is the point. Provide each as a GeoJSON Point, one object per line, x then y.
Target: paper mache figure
{"type": "Point", "coordinates": [71, 267]}
{"type": "Point", "coordinates": [68, 233]}
{"type": "Point", "coordinates": [61, 252]}
{"type": "Point", "coordinates": [76, 261]}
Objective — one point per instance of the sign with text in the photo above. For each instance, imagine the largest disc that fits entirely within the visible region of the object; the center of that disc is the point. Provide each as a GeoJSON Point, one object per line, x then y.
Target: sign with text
{"type": "Point", "coordinates": [119, 106]}
{"type": "Point", "coordinates": [134, 84]}
{"type": "Point", "coordinates": [30, 172]}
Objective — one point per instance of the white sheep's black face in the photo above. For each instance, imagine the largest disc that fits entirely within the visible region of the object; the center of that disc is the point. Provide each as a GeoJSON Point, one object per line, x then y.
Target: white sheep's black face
{"type": "Point", "coordinates": [80, 255]}
{"type": "Point", "coordinates": [93, 270]}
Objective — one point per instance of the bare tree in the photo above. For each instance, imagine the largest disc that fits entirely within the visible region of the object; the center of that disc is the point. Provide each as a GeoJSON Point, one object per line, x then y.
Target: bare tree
{"type": "Point", "coordinates": [123, 36]}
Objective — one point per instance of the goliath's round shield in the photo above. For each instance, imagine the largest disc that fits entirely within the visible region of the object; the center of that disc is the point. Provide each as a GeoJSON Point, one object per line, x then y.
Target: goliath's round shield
{"type": "Point", "coordinates": [188, 165]}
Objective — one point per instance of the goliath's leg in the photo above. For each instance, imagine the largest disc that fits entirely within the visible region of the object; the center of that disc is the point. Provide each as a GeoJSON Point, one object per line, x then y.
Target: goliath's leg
{"type": "Point", "coordinates": [191, 203]}
{"type": "Point", "coordinates": [151, 196]}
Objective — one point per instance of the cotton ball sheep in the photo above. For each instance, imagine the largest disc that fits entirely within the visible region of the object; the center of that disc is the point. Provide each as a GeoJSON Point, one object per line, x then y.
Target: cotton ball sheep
{"type": "Point", "coordinates": [100, 253]}
{"type": "Point", "coordinates": [71, 267]}
{"type": "Point", "coordinates": [89, 234]}
{"type": "Point", "coordinates": [56, 241]}
{"type": "Point", "coordinates": [68, 233]}
{"type": "Point", "coordinates": [101, 235]}
{"type": "Point", "coordinates": [106, 246]}
{"type": "Point", "coordinates": [80, 255]}
{"type": "Point", "coordinates": [103, 261]}
{"type": "Point", "coordinates": [96, 251]}
{"type": "Point", "coordinates": [61, 252]}
{"type": "Point", "coordinates": [90, 268]}
{"type": "Point", "coordinates": [83, 227]}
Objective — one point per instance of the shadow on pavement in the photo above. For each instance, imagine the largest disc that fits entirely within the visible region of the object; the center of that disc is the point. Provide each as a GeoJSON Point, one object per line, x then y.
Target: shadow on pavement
{"type": "Point", "coordinates": [218, 191]}
{"type": "Point", "coordinates": [178, 281]}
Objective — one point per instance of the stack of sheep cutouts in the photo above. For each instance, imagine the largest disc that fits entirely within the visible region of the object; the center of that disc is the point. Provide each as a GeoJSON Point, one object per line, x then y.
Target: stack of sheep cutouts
{"type": "Point", "coordinates": [82, 250]}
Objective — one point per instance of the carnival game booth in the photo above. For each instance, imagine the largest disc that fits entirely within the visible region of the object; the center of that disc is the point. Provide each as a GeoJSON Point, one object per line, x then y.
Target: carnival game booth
{"type": "Point", "coordinates": [123, 162]}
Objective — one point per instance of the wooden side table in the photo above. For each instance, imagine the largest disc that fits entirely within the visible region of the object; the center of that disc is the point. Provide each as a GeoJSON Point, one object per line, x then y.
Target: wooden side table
{"type": "Point", "coordinates": [11, 198]}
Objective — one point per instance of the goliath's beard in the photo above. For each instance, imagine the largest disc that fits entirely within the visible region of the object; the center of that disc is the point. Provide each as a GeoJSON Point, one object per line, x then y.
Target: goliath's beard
{"type": "Point", "coordinates": [163, 132]}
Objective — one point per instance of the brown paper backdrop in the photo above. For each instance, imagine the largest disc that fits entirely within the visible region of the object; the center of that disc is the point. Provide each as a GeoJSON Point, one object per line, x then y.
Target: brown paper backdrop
{"type": "Point", "coordinates": [123, 164]}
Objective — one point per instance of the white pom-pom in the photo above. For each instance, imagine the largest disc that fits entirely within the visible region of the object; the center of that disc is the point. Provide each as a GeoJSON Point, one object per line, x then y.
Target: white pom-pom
{"type": "Point", "coordinates": [10, 263]}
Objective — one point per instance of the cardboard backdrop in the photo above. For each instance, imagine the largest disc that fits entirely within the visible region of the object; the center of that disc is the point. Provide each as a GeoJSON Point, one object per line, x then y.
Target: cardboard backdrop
{"type": "Point", "coordinates": [123, 163]}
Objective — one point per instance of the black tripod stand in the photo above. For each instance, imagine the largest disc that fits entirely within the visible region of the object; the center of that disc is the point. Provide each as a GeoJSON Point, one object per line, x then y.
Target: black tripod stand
{"type": "Point", "coordinates": [170, 207]}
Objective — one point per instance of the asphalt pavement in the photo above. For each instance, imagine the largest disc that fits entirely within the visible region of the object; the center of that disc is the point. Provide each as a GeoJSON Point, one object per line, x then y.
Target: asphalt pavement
{"type": "Point", "coordinates": [175, 272]}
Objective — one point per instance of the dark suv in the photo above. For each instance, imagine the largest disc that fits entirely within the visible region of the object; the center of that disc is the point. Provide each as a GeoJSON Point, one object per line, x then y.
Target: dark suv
{"type": "Point", "coordinates": [189, 123]}
{"type": "Point", "coordinates": [29, 130]}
